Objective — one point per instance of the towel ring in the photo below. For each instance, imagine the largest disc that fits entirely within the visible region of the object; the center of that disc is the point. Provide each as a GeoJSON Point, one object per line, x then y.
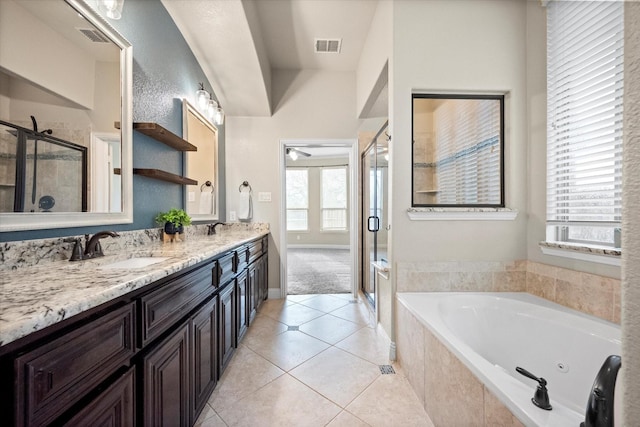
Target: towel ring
{"type": "Point", "coordinates": [244, 184]}
{"type": "Point", "coordinates": [207, 184]}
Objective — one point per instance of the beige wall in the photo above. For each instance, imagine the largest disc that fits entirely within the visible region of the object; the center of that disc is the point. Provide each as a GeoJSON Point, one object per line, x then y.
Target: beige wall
{"type": "Point", "coordinates": [485, 53]}
{"type": "Point", "coordinates": [375, 54]}
{"type": "Point", "coordinates": [57, 65]}
{"type": "Point", "coordinates": [630, 217]}
{"type": "Point", "coordinates": [309, 105]}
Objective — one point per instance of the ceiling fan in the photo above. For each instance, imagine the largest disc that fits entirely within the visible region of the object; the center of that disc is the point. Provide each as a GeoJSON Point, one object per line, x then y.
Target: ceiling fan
{"type": "Point", "coordinates": [293, 153]}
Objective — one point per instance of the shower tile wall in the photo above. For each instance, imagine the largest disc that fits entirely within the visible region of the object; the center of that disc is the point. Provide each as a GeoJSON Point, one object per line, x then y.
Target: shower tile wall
{"type": "Point", "coordinates": [588, 293]}
{"type": "Point", "coordinates": [59, 169]}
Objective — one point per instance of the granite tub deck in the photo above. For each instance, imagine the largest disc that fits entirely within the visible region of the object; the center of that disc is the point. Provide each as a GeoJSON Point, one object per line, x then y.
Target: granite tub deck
{"type": "Point", "coordinates": [35, 297]}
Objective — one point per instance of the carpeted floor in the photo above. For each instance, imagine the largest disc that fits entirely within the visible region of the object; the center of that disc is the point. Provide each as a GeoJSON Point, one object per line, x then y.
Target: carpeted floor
{"type": "Point", "coordinates": [318, 271]}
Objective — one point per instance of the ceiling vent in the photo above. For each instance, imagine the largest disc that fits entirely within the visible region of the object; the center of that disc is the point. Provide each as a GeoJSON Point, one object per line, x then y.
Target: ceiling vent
{"type": "Point", "coordinates": [328, 45]}
{"type": "Point", "coordinates": [94, 35]}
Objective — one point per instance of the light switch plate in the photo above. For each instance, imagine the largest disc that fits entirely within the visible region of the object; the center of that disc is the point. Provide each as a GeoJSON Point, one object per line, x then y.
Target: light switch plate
{"type": "Point", "coordinates": [192, 196]}
{"type": "Point", "coordinates": [232, 215]}
{"type": "Point", "coordinates": [264, 196]}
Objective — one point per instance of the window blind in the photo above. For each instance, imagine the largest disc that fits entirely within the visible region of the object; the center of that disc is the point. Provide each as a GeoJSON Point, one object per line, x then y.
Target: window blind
{"type": "Point", "coordinates": [467, 133]}
{"type": "Point", "coordinates": [584, 119]}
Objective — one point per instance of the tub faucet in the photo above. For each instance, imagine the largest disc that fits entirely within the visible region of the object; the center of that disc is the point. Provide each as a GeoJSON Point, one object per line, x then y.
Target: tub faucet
{"type": "Point", "coordinates": [600, 403]}
{"type": "Point", "coordinates": [541, 396]}
{"type": "Point", "coordinates": [93, 249]}
{"type": "Point", "coordinates": [211, 228]}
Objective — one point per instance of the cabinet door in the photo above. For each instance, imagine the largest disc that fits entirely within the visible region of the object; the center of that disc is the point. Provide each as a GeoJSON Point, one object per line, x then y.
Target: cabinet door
{"type": "Point", "coordinates": [113, 407]}
{"type": "Point", "coordinates": [254, 290]}
{"type": "Point", "coordinates": [263, 278]}
{"type": "Point", "coordinates": [166, 381]}
{"type": "Point", "coordinates": [242, 284]}
{"type": "Point", "coordinates": [53, 377]}
{"type": "Point", "coordinates": [204, 339]}
{"type": "Point", "coordinates": [227, 336]}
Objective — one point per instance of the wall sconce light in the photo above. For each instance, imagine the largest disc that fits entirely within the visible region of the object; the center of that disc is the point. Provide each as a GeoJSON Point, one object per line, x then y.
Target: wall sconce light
{"type": "Point", "coordinates": [218, 115]}
{"type": "Point", "coordinates": [111, 8]}
{"type": "Point", "coordinates": [202, 99]}
{"type": "Point", "coordinates": [212, 107]}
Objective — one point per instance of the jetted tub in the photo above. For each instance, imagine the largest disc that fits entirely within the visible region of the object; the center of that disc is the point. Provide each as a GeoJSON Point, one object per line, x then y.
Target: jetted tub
{"type": "Point", "coordinates": [492, 333]}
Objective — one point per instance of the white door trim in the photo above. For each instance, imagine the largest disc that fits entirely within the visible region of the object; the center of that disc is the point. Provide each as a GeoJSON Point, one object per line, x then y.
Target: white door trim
{"type": "Point", "coordinates": [354, 163]}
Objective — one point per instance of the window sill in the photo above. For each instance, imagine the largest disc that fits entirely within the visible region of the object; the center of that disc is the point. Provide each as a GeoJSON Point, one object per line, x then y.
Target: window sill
{"type": "Point", "coordinates": [462, 214]}
{"type": "Point", "coordinates": [582, 252]}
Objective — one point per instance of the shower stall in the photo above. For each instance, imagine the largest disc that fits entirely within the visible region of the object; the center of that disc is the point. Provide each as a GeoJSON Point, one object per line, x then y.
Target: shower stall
{"type": "Point", "coordinates": [40, 172]}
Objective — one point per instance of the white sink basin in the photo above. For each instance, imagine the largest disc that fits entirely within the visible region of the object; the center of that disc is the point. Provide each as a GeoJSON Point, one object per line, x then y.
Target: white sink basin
{"type": "Point", "coordinates": [139, 262]}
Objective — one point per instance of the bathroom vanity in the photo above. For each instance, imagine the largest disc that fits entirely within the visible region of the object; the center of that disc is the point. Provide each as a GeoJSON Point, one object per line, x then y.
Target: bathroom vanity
{"type": "Point", "coordinates": [140, 345]}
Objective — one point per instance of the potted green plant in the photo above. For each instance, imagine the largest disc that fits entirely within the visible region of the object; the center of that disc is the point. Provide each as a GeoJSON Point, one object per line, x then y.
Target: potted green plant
{"type": "Point", "coordinates": [174, 220]}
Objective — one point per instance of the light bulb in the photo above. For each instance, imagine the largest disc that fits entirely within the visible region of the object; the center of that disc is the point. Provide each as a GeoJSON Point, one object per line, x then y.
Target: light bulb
{"type": "Point", "coordinates": [111, 8]}
{"type": "Point", "coordinates": [293, 155]}
{"type": "Point", "coordinates": [211, 109]}
{"type": "Point", "coordinates": [218, 117]}
{"type": "Point", "coordinates": [202, 99]}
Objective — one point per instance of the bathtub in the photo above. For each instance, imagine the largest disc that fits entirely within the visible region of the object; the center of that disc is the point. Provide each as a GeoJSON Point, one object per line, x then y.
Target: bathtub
{"type": "Point", "coordinates": [492, 333]}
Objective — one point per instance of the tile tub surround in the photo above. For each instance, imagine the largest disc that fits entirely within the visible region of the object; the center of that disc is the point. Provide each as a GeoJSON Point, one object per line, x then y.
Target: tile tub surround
{"type": "Point", "coordinates": [585, 292]}
{"type": "Point", "coordinates": [32, 298]}
{"type": "Point", "coordinates": [451, 394]}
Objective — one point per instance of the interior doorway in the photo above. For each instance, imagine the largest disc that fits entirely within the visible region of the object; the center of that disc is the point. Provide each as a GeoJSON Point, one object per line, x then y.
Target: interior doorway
{"type": "Point", "coordinates": [318, 221]}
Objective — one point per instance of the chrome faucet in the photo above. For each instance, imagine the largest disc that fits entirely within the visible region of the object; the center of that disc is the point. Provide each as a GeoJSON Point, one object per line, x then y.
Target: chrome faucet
{"type": "Point", "coordinates": [211, 228]}
{"type": "Point", "coordinates": [93, 249]}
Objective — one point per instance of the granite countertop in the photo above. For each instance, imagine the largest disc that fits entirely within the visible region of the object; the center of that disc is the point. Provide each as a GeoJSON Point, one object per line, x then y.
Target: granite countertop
{"type": "Point", "coordinates": [32, 298]}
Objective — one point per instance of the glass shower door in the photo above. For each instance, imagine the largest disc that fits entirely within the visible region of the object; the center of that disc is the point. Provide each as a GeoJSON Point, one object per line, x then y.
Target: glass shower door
{"type": "Point", "coordinates": [374, 217]}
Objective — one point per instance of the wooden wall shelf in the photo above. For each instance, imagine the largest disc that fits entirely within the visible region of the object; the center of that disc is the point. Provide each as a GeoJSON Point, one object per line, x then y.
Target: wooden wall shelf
{"type": "Point", "coordinates": [163, 135]}
{"type": "Point", "coordinates": [165, 176]}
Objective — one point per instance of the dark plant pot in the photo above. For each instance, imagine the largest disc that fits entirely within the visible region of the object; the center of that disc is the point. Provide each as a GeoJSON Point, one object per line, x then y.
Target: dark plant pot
{"type": "Point", "coordinates": [170, 228]}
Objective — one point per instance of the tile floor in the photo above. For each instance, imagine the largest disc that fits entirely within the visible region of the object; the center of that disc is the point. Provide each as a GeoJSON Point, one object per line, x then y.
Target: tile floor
{"type": "Point", "coordinates": [326, 373]}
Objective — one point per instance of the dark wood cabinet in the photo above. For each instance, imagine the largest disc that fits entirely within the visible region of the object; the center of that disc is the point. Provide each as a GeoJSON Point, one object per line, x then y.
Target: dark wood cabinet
{"type": "Point", "coordinates": [243, 303]}
{"type": "Point", "coordinates": [165, 393]}
{"type": "Point", "coordinates": [53, 377]}
{"type": "Point", "coordinates": [150, 358]}
{"type": "Point", "coordinates": [113, 407]}
{"type": "Point", "coordinates": [161, 308]}
{"type": "Point", "coordinates": [227, 327]}
{"type": "Point", "coordinates": [204, 340]}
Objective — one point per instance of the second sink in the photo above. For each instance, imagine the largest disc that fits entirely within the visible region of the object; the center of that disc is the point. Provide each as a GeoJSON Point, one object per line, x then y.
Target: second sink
{"type": "Point", "coordinates": [139, 262]}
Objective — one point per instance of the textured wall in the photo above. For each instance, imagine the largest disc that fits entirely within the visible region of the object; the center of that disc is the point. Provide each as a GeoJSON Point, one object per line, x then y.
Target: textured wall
{"type": "Point", "coordinates": [164, 72]}
{"type": "Point", "coordinates": [631, 223]}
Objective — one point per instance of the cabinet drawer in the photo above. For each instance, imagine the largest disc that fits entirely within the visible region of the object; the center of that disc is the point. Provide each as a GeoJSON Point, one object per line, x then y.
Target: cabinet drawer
{"type": "Point", "coordinates": [113, 407]}
{"type": "Point", "coordinates": [162, 308]}
{"type": "Point", "coordinates": [226, 268]}
{"type": "Point", "coordinates": [53, 377]}
{"type": "Point", "coordinates": [255, 250]}
{"type": "Point", "coordinates": [242, 258]}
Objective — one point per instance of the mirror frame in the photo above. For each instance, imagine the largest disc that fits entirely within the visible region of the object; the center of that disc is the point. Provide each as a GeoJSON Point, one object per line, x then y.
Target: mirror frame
{"type": "Point", "coordinates": [20, 221]}
{"type": "Point", "coordinates": [188, 108]}
{"type": "Point", "coordinates": [499, 97]}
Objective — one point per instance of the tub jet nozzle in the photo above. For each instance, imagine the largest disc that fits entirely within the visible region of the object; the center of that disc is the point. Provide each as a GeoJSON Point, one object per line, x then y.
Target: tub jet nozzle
{"type": "Point", "coordinates": [541, 396]}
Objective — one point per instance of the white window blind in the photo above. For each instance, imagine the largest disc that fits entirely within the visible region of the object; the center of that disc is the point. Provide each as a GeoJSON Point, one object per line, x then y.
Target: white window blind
{"type": "Point", "coordinates": [584, 121]}
{"type": "Point", "coordinates": [334, 198]}
{"type": "Point", "coordinates": [468, 138]}
{"type": "Point", "coordinates": [297, 185]}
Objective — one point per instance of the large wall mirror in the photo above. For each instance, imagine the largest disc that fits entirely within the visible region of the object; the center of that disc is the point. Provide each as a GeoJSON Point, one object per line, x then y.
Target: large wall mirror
{"type": "Point", "coordinates": [201, 200]}
{"type": "Point", "coordinates": [65, 117]}
{"type": "Point", "coordinates": [458, 150]}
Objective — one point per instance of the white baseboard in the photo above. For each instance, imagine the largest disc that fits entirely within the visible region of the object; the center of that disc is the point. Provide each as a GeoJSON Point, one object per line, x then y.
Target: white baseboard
{"type": "Point", "coordinates": [274, 293]}
{"type": "Point", "coordinates": [318, 247]}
